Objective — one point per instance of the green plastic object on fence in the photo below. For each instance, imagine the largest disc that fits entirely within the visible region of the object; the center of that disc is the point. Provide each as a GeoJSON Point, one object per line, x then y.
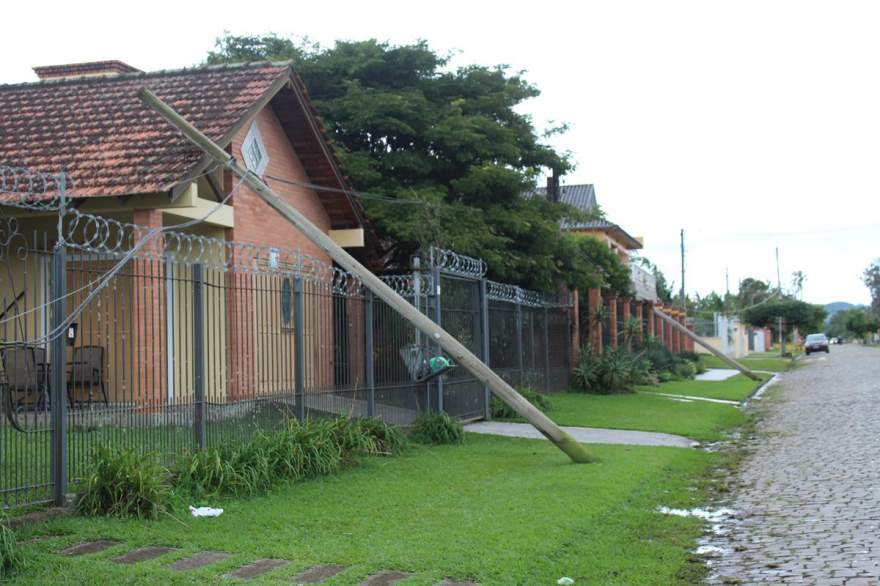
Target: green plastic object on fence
{"type": "Point", "coordinates": [439, 363]}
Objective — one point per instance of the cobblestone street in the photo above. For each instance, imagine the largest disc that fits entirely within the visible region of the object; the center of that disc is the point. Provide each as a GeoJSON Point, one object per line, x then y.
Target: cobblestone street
{"type": "Point", "coordinates": [807, 497]}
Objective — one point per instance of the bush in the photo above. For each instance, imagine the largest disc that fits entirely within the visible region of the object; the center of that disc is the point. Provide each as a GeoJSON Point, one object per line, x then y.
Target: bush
{"type": "Point", "coordinates": [615, 371]}
{"type": "Point", "coordinates": [388, 439]}
{"type": "Point", "coordinates": [664, 376]}
{"type": "Point", "coordinates": [436, 429]}
{"type": "Point", "coordinates": [249, 468]}
{"type": "Point", "coordinates": [501, 410]}
{"type": "Point", "coordinates": [585, 374]}
{"type": "Point", "coordinates": [685, 369]}
{"type": "Point", "coordinates": [314, 448]}
{"type": "Point", "coordinates": [658, 356]}
{"type": "Point", "coordinates": [10, 555]}
{"type": "Point", "coordinates": [124, 483]}
{"type": "Point", "coordinates": [696, 359]}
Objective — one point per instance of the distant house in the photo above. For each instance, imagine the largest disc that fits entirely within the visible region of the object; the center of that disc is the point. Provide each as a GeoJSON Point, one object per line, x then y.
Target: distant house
{"type": "Point", "coordinates": [583, 197]}
{"type": "Point", "coordinates": [127, 164]}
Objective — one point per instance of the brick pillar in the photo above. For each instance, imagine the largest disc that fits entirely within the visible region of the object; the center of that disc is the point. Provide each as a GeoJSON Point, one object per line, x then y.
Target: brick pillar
{"type": "Point", "coordinates": [595, 327]}
{"type": "Point", "coordinates": [676, 334]}
{"type": "Point", "coordinates": [149, 317]}
{"type": "Point", "coordinates": [652, 319]}
{"type": "Point", "coordinates": [626, 316]}
{"type": "Point", "coordinates": [640, 308]}
{"type": "Point", "coordinates": [682, 337]}
{"type": "Point", "coordinates": [612, 321]}
{"type": "Point", "coordinates": [667, 330]}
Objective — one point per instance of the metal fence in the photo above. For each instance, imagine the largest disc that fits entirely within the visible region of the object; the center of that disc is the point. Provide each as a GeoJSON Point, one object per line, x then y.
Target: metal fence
{"type": "Point", "coordinates": [113, 335]}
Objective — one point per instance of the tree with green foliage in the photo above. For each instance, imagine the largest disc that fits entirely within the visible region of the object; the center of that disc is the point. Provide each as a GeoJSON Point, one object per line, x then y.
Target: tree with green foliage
{"type": "Point", "coordinates": [795, 314]}
{"type": "Point", "coordinates": [752, 291]}
{"type": "Point", "coordinates": [857, 322]}
{"type": "Point", "coordinates": [447, 146]}
{"type": "Point", "coordinates": [871, 277]}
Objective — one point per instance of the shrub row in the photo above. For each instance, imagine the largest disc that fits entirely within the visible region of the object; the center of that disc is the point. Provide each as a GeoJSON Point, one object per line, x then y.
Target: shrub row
{"type": "Point", "coordinates": [126, 483]}
{"type": "Point", "coordinates": [618, 370]}
{"type": "Point", "coordinates": [436, 429]}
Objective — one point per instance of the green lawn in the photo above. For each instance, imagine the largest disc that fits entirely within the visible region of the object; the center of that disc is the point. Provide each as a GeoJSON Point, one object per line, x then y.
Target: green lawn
{"type": "Point", "coordinates": [759, 361]}
{"type": "Point", "coordinates": [647, 411]}
{"type": "Point", "coordinates": [736, 388]}
{"type": "Point", "coordinates": [496, 510]}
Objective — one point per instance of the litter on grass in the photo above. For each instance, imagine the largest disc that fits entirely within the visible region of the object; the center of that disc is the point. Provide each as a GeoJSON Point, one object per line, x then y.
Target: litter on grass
{"type": "Point", "coordinates": [205, 511]}
{"type": "Point", "coordinates": [565, 581]}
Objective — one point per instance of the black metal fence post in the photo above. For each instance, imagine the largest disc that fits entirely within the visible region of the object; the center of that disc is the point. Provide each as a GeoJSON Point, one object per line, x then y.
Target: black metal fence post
{"type": "Point", "coordinates": [199, 356]}
{"type": "Point", "coordinates": [58, 358]}
{"type": "Point", "coordinates": [484, 340]}
{"type": "Point", "coordinates": [368, 351]}
{"type": "Point", "coordinates": [519, 336]}
{"type": "Point", "coordinates": [546, 349]}
{"type": "Point", "coordinates": [299, 348]}
{"type": "Point", "coordinates": [438, 319]}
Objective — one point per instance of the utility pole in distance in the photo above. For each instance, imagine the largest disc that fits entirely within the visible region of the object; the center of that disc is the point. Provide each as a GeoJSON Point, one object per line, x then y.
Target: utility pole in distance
{"type": "Point", "coordinates": [779, 320]}
{"type": "Point", "coordinates": [683, 298]}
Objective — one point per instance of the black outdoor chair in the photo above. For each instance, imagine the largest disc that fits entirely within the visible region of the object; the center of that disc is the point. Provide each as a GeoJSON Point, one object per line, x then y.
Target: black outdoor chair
{"type": "Point", "coordinates": [86, 373]}
{"type": "Point", "coordinates": [26, 377]}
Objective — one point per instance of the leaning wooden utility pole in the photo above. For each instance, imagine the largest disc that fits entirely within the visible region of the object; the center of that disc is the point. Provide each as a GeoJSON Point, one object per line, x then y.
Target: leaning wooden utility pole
{"type": "Point", "coordinates": [724, 358]}
{"type": "Point", "coordinates": [461, 355]}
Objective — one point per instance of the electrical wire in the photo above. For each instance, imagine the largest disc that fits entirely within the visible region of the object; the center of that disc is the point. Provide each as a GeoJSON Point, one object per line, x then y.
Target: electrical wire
{"type": "Point", "coordinates": [358, 194]}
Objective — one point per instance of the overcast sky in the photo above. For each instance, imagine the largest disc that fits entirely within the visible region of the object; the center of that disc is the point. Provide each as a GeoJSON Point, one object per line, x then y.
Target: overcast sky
{"type": "Point", "coordinates": [749, 124]}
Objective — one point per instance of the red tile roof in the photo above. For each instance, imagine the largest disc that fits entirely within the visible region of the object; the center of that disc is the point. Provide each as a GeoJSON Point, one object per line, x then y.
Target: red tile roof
{"type": "Point", "coordinates": [109, 143]}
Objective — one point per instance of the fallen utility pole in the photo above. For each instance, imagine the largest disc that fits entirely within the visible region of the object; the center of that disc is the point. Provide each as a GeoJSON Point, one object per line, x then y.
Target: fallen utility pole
{"type": "Point", "coordinates": [726, 359]}
{"type": "Point", "coordinates": [461, 355]}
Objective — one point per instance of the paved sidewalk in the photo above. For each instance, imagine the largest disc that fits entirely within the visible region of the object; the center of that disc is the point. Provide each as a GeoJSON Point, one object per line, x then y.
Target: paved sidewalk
{"type": "Point", "coordinates": [808, 496]}
{"type": "Point", "coordinates": [717, 374]}
{"type": "Point", "coordinates": [585, 435]}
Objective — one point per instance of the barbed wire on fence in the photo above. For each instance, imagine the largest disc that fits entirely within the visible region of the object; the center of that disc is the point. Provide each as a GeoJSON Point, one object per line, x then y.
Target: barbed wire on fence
{"type": "Point", "coordinates": [405, 284]}
{"type": "Point", "coordinates": [459, 264]}
{"type": "Point", "coordinates": [33, 190]}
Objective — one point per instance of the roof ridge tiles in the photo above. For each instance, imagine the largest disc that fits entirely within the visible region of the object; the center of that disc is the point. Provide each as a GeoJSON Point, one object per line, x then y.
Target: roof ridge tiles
{"type": "Point", "coordinates": [195, 69]}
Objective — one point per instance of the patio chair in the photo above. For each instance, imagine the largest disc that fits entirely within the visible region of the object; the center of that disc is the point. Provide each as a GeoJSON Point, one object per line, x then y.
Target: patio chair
{"type": "Point", "coordinates": [25, 378]}
{"type": "Point", "coordinates": [86, 373]}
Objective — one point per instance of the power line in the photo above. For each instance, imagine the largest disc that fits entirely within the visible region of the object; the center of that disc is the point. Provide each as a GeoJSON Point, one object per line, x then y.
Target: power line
{"type": "Point", "coordinates": [358, 194]}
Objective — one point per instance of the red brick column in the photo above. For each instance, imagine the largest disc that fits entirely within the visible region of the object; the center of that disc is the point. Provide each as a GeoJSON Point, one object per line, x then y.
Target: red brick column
{"type": "Point", "coordinates": [640, 308]}
{"type": "Point", "coordinates": [667, 330]}
{"type": "Point", "coordinates": [612, 321]}
{"type": "Point", "coordinates": [685, 340]}
{"type": "Point", "coordinates": [652, 319]}
{"type": "Point", "coordinates": [595, 327]}
{"type": "Point", "coordinates": [679, 335]}
{"type": "Point", "coordinates": [149, 317]}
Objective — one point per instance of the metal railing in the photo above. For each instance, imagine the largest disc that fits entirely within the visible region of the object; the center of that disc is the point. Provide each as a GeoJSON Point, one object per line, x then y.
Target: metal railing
{"type": "Point", "coordinates": [186, 341]}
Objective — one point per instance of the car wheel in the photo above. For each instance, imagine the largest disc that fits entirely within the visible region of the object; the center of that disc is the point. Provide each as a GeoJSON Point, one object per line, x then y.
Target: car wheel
{"type": "Point", "coordinates": [827, 351]}
{"type": "Point", "coordinates": [807, 352]}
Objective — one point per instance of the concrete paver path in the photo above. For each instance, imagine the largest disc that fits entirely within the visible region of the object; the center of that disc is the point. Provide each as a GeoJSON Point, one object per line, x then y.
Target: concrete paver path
{"type": "Point", "coordinates": [809, 492]}
{"type": "Point", "coordinates": [585, 435]}
{"type": "Point", "coordinates": [717, 374]}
